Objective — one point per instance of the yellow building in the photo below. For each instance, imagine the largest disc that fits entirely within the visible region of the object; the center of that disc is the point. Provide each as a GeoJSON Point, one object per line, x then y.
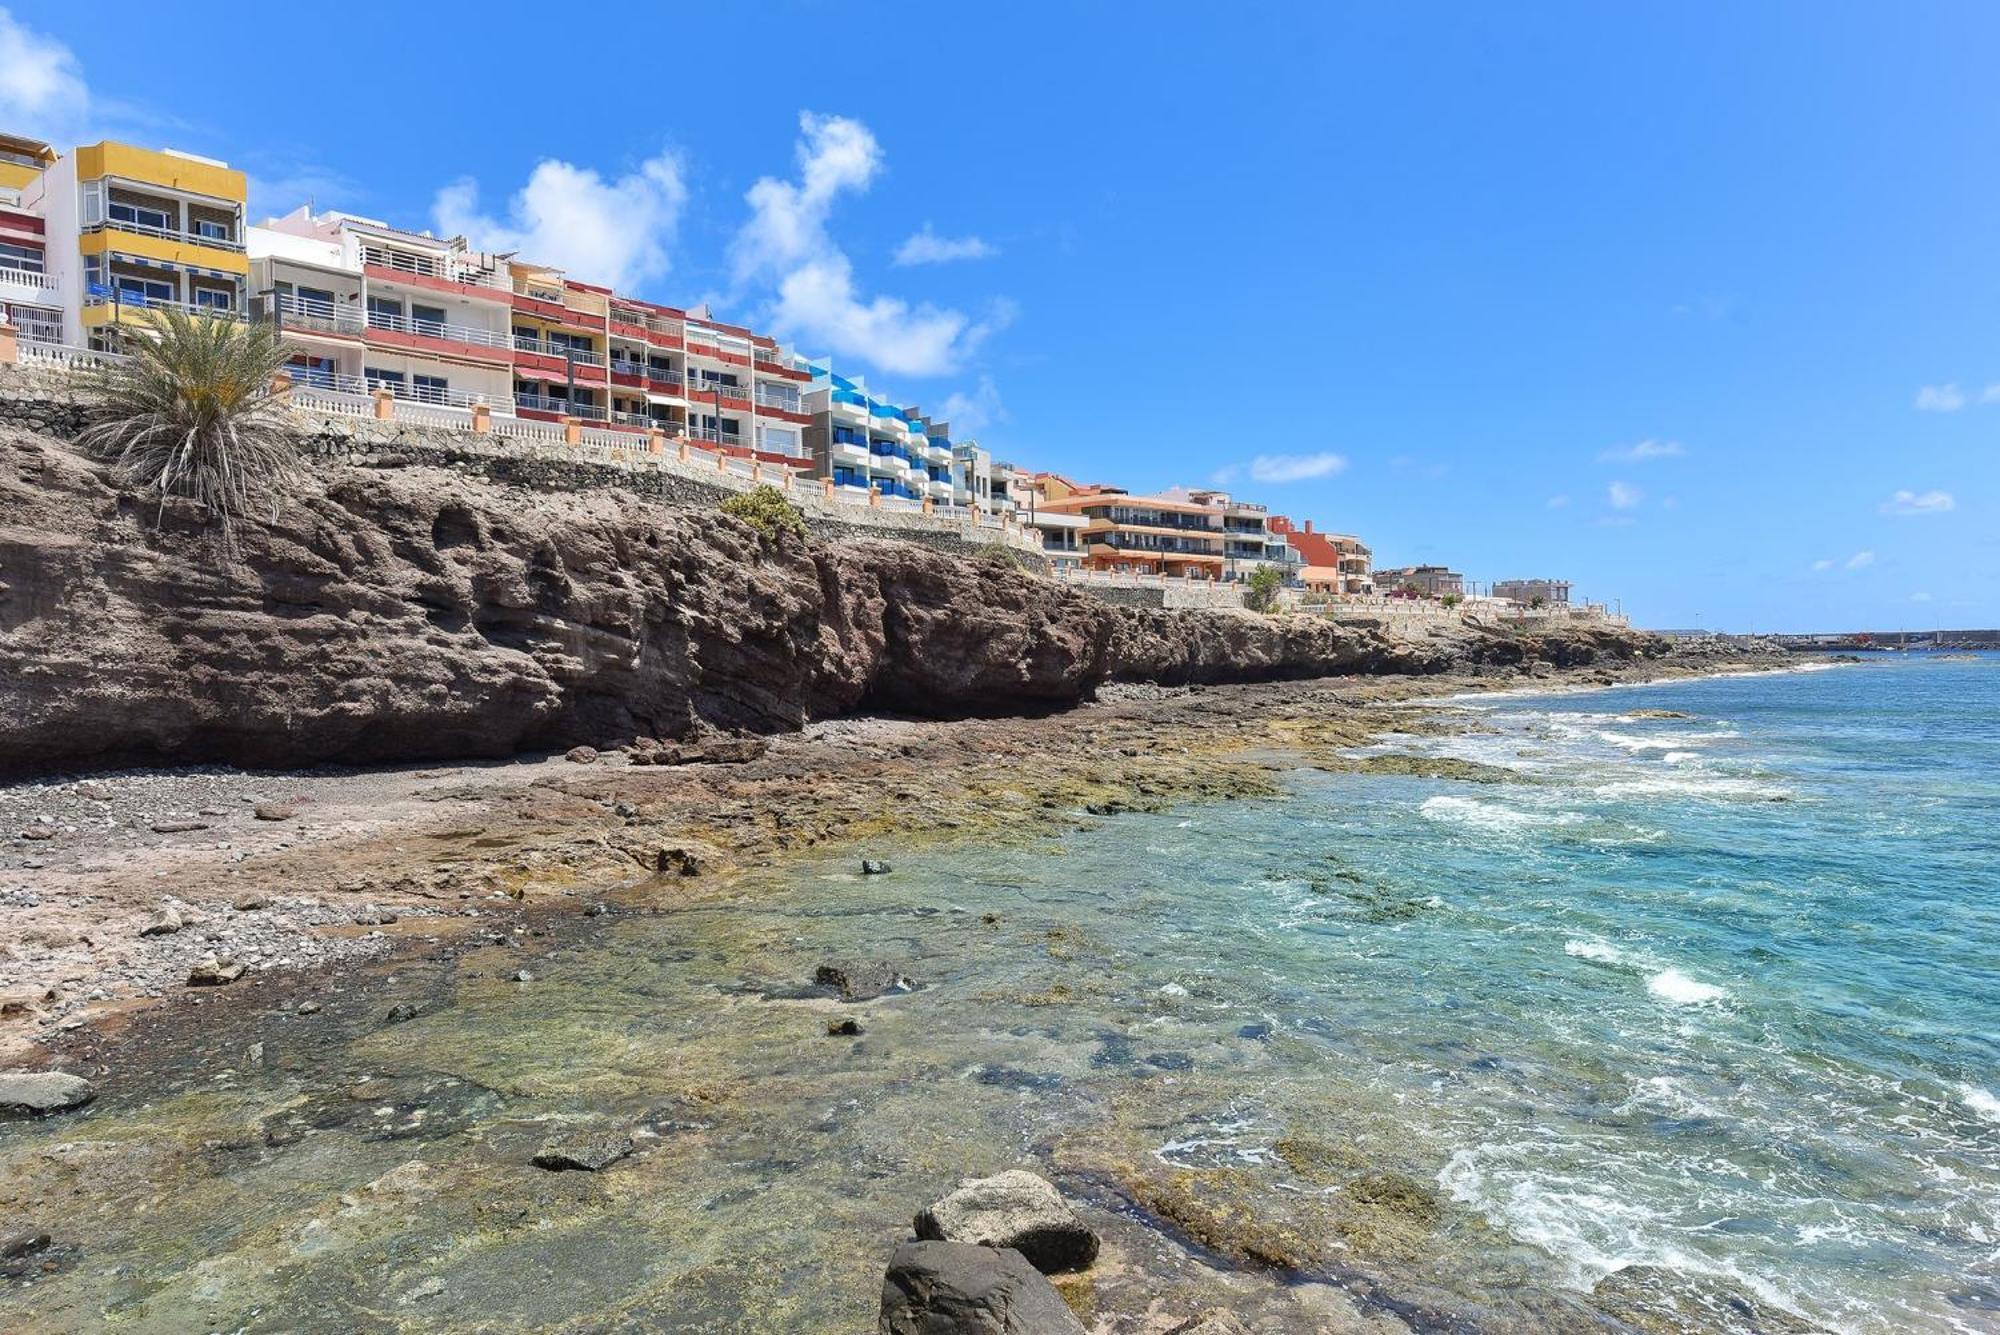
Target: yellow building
{"type": "Point", "coordinates": [22, 160]}
{"type": "Point", "coordinates": [133, 230]}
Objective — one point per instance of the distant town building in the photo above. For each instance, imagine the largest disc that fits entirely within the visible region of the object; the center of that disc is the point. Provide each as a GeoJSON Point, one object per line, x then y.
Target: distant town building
{"type": "Point", "coordinates": [1331, 562]}
{"type": "Point", "coordinates": [1532, 592]}
{"type": "Point", "coordinates": [1429, 581]}
{"type": "Point", "coordinates": [1187, 533]}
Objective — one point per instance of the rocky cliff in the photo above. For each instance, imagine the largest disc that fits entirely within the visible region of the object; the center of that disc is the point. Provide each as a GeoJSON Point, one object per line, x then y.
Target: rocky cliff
{"type": "Point", "coordinates": [407, 613]}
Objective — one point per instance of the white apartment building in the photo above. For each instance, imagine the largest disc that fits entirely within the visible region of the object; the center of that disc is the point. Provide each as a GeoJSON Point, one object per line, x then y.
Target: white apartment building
{"type": "Point", "coordinates": [368, 306]}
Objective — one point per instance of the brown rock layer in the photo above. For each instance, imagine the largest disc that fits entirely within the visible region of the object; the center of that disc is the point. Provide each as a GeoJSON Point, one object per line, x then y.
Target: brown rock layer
{"type": "Point", "coordinates": [408, 613]}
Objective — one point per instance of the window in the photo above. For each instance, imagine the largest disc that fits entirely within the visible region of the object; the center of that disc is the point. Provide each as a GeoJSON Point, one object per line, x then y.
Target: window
{"type": "Point", "coordinates": [211, 230]}
{"type": "Point", "coordinates": [214, 299]}
{"type": "Point", "coordinates": [380, 379]}
{"type": "Point", "coordinates": [141, 290]}
{"type": "Point", "coordinates": [384, 313]}
{"type": "Point", "coordinates": [526, 337]}
{"type": "Point", "coordinates": [310, 370]}
{"type": "Point", "coordinates": [429, 388]}
{"type": "Point", "coordinates": [139, 215]}
{"type": "Point", "coordinates": [427, 319]}
{"type": "Point", "coordinates": [26, 259]}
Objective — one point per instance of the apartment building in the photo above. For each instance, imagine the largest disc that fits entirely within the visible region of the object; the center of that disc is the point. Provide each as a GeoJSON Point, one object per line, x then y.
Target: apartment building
{"type": "Point", "coordinates": [1330, 562]}
{"type": "Point", "coordinates": [28, 297]}
{"type": "Point", "coordinates": [127, 231]}
{"type": "Point", "coordinates": [1425, 581]}
{"type": "Point", "coordinates": [1198, 534]}
{"type": "Point", "coordinates": [367, 306]}
{"type": "Point", "coordinates": [864, 444]}
{"type": "Point", "coordinates": [1533, 592]}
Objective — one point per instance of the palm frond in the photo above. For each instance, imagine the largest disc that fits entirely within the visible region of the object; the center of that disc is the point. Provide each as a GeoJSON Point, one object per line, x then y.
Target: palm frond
{"type": "Point", "coordinates": [190, 412]}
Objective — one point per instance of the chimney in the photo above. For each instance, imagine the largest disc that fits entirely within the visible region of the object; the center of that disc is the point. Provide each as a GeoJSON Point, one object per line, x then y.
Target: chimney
{"type": "Point", "coordinates": [1309, 525]}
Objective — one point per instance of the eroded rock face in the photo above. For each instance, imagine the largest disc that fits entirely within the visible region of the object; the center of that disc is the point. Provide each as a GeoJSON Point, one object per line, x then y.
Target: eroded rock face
{"type": "Point", "coordinates": [951, 1288]}
{"type": "Point", "coordinates": [1014, 1209]}
{"type": "Point", "coordinates": [405, 613]}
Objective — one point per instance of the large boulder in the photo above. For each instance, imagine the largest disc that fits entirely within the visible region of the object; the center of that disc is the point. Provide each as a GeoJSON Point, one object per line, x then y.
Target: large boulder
{"type": "Point", "coordinates": [1013, 1209]}
{"type": "Point", "coordinates": [33, 1093]}
{"type": "Point", "coordinates": [950, 1288]}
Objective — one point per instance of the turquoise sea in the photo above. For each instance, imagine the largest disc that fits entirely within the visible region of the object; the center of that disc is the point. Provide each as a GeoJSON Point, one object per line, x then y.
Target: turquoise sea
{"type": "Point", "coordinates": [1737, 975]}
{"type": "Point", "coordinates": [1675, 1023]}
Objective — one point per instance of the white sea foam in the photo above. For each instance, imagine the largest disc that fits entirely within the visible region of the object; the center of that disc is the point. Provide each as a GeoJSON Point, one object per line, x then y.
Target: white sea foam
{"type": "Point", "coordinates": [1981, 1101]}
{"type": "Point", "coordinates": [1713, 787]}
{"type": "Point", "coordinates": [1675, 986]}
{"type": "Point", "coordinates": [1591, 1230]}
{"type": "Point", "coordinates": [1664, 741]}
{"type": "Point", "coordinates": [1601, 951]}
{"type": "Point", "coordinates": [1490, 817]}
{"type": "Point", "coordinates": [1680, 757]}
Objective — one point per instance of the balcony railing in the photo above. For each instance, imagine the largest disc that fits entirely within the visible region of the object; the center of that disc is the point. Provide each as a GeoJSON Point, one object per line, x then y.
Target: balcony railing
{"type": "Point", "coordinates": [536, 403]}
{"type": "Point", "coordinates": [440, 267]}
{"type": "Point", "coordinates": [456, 333]}
{"type": "Point", "coordinates": [771, 398]}
{"type": "Point", "coordinates": [33, 278]}
{"type": "Point", "coordinates": [135, 303]}
{"type": "Point", "coordinates": [584, 356]}
{"type": "Point", "coordinates": [714, 436]}
{"type": "Point", "coordinates": [653, 323]}
{"type": "Point", "coordinates": [708, 389]}
{"type": "Point", "coordinates": [174, 234]}
{"type": "Point", "coordinates": [441, 396]}
{"type": "Point", "coordinates": [310, 313]}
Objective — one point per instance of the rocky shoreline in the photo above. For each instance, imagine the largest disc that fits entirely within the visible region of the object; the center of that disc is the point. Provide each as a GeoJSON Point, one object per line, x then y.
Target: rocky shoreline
{"type": "Point", "coordinates": [367, 879]}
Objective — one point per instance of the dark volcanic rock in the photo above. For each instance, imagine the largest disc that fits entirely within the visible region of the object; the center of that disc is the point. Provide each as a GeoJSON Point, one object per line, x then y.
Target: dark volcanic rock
{"type": "Point", "coordinates": [1013, 1209]}
{"type": "Point", "coordinates": [874, 867]}
{"type": "Point", "coordinates": [586, 1152]}
{"type": "Point", "coordinates": [952, 1288]}
{"type": "Point", "coordinates": [400, 613]}
{"type": "Point", "coordinates": [862, 981]}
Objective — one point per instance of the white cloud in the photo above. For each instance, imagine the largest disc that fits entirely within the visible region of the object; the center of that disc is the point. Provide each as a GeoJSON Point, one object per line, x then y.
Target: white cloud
{"type": "Point", "coordinates": [1920, 597]}
{"type": "Point", "coordinates": [1991, 394]}
{"type": "Point", "coordinates": [1823, 564]}
{"type": "Point", "coordinates": [927, 247]}
{"type": "Point", "coordinates": [1558, 502]}
{"type": "Point", "coordinates": [1914, 503]}
{"type": "Point", "coordinates": [615, 232]}
{"type": "Point", "coordinates": [785, 244]}
{"type": "Point", "coordinates": [1296, 467]}
{"type": "Point", "coordinates": [1861, 560]}
{"type": "Point", "coordinates": [974, 412]}
{"type": "Point", "coordinates": [1623, 495]}
{"type": "Point", "coordinates": [1640, 451]}
{"type": "Point", "coordinates": [42, 90]}
{"type": "Point", "coordinates": [1948, 398]}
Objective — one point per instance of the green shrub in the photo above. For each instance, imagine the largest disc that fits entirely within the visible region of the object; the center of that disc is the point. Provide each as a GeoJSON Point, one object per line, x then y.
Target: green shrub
{"type": "Point", "coordinates": [1000, 554]}
{"type": "Point", "coordinates": [765, 509]}
{"type": "Point", "coordinates": [1260, 591]}
{"type": "Point", "coordinates": [190, 412]}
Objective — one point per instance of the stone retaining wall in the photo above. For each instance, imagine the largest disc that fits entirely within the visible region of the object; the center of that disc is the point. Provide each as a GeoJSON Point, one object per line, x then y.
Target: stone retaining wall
{"type": "Point", "coordinates": [52, 400]}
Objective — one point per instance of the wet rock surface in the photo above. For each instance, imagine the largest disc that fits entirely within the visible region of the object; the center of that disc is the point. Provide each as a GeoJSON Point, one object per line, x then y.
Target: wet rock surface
{"type": "Point", "coordinates": [1014, 1209]}
{"type": "Point", "coordinates": [37, 1093]}
{"type": "Point", "coordinates": [584, 1151]}
{"type": "Point", "coordinates": [949, 1288]}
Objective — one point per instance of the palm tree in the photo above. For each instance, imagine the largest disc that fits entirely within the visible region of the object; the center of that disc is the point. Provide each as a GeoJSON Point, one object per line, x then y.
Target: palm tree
{"type": "Point", "coordinates": [191, 412]}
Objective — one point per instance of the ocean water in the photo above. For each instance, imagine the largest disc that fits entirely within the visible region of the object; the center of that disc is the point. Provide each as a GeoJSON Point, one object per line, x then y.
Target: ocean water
{"type": "Point", "coordinates": [1691, 1023]}
{"type": "Point", "coordinates": [1740, 973]}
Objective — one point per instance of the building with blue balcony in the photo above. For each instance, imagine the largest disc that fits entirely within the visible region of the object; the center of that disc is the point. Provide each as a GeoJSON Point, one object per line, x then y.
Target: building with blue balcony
{"type": "Point", "coordinates": [863, 442]}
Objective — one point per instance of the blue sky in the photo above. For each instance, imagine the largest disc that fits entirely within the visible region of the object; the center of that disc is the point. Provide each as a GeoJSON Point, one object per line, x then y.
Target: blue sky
{"type": "Point", "coordinates": [1694, 305]}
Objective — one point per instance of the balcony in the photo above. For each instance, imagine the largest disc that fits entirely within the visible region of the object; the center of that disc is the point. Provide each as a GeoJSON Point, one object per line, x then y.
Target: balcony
{"type": "Point", "coordinates": [438, 269]}
{"type": "Point", "coordinates": [770, 397]}
{"type": "Point", "coordinates": [320, 378]}
{"type": "Point", "coordinates": [534, 346]}
{"type": "Point", "coordinates": [536, 403]}
{"type": "Point", "coordinates": [325, 317]}
{"type": "Point", "coordinates": [27, 280]}
{"type": "Point", "coordinates": [707, 390]}
{"type": "Point", "coordinates": [454, 333]}
{"type": "Point", "coordinates": [726, 439]}
{"type": "Point", "coordinates": [132, 304]}
{"type": "Point", "coordinates": [170, 234]}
